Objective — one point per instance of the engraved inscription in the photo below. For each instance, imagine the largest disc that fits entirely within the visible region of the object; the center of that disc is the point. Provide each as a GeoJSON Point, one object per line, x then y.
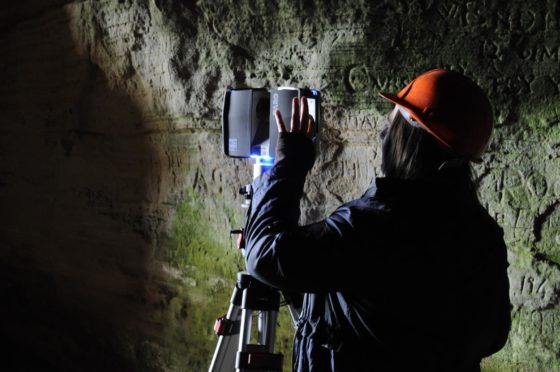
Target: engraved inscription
{"type": "Point", "coordinates": [359, 78]}
{"type": "Point", "coordinates": [537, 185]}
{"type": "Point", "coordinates": [539, 53]}
{"type": "Point", "coordinates": [531, 290]}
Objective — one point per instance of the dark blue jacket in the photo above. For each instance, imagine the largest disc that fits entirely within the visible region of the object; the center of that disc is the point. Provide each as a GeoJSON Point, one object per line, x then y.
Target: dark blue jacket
{"type": "Point", "coordinates": [411, 276]}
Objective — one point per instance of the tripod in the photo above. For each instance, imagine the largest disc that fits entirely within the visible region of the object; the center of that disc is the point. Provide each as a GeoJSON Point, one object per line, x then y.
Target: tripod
{"type": "Point", "coordinates": [234, 350]}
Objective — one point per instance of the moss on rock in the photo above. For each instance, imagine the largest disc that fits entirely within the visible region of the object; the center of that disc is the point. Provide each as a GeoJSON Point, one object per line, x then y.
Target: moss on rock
{"type": "Point", "coordinates": [205, 264]}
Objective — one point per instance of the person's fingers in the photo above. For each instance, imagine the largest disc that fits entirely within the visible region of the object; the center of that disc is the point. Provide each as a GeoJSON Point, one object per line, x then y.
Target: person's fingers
{"type": "Point", "coordinates": [279, 121]}
{"type": "Point", "coordinates": [310, 126]}
{"type": "Point", "coordinates": [304, 115]}
{"type": "Point", "coordinates": [295, 116]}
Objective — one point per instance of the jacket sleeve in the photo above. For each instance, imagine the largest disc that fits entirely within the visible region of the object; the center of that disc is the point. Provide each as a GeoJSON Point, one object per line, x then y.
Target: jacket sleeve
{"type": "Point", "coordinates": [278, 251]}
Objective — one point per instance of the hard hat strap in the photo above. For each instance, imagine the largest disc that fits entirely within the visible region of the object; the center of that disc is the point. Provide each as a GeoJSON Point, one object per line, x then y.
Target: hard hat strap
{"type": "Point", "coordinates": [452, 163]}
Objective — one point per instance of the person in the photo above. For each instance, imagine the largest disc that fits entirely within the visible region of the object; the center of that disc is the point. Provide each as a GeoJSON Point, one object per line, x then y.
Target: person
{"type": "Point", "coordinates": [412, 275]}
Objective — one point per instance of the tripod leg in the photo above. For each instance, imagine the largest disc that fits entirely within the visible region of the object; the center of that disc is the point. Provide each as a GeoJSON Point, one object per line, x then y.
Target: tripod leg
{"type": "Point", "coordinates": [264, 301]}
{"type": "Point", "coordinates": [267, 329]}
{"type": "Point", "coordinates": [245, 332]}
{"type": "Point", "coordinates": [226, 349]}
{"type": "Point", "coordinates": [294, 313]}
{"type": "Point", "coordinates": [234, 351]}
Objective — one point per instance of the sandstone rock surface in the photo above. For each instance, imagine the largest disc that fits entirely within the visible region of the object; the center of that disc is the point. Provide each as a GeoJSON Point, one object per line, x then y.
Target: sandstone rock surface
{"type": "Point", "coordinates": [116, 198]}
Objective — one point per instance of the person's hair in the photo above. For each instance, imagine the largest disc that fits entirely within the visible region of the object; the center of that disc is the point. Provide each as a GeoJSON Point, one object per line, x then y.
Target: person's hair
{"type": "Point", "coordinates": [413, 153]}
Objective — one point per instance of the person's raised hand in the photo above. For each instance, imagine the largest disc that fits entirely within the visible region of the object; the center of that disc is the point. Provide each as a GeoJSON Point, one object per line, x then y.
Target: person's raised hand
{"type": "Point", "coordinates": [295, 147]}
{"type": "Point", "coordinates": [301, 121]}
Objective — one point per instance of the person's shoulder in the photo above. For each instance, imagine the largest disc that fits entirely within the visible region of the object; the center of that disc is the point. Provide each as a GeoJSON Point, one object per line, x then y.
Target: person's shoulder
{"type": "Point", "coordinates": [362, 210]}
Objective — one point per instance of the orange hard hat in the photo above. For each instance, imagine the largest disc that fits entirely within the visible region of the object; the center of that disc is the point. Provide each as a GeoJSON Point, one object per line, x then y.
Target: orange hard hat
{"type": "Point", "coordinates": [451, 107]}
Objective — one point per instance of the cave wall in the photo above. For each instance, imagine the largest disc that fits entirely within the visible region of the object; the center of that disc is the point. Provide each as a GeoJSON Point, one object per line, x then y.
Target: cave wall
{"type": "Point", "coordinates": [116, 198]}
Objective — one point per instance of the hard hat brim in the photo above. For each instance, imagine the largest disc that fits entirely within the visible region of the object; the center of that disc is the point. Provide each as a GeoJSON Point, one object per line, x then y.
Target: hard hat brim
{"type": "Point", "coordinates": [411, 110]}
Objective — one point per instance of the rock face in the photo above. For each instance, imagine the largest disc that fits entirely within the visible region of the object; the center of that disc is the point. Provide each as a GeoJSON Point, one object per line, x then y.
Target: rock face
{"type": "Point", "coordinates": [116, 198]}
